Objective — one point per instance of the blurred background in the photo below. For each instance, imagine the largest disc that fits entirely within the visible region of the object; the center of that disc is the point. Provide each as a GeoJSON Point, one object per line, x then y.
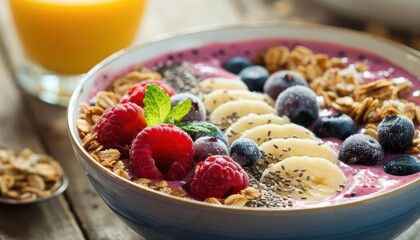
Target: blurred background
{"type": "Point", "coordinates": [396, 20]}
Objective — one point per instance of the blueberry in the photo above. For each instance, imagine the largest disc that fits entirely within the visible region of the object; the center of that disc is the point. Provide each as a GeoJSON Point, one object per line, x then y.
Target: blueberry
{"type": "Point", "coordinates": [219, 134]}
{"type": "Point", "coordinates": [281, 80]}
{"type": "Point", "coordinates": [205, 147]}
{"type": "Point", "coordinates": [403, 165]}
{"type": "Point", "coordinates": [299, 104]}
{"type": "Point", "coordinates": [339, 126]}
{"type": "Point", "coordinates": [254, 77]}
{"type": "Point", "coordinates": [361, 149]}
{"type": "Point", "coordinates": [396, 133]}
{"type": "Point", "coordinates": [236, 64]}
{"type": "Point", "coordinates": [245, 152]}
{"type": "Point", "coordinates": [197, 111]}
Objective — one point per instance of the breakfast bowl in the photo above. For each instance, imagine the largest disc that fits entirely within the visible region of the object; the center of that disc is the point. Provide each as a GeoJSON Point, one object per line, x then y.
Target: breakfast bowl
{"type": "Point", "coordinates": [381, 207]}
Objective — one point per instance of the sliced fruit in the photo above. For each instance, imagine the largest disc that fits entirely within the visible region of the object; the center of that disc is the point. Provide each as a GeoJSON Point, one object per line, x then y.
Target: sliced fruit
{"type": "Point", "coordinates": [220, 96]}
{"type": "Point", "coordinates": [250, 121]}
{"type": "Point", "coordinates": [307, 178]}
{"type": "Point", "coordinates": [264, 133]}
{"type": "Point", "coordinates": [278, 149]}
{"type": "Point", "coordinates": [236, 109]}
{"type": "Point", "coordinates": [211, 84]}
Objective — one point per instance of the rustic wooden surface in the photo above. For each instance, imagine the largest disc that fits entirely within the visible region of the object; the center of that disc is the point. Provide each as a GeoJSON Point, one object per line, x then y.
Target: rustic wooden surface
{"type": "Point", "coordinates": [28, 122]}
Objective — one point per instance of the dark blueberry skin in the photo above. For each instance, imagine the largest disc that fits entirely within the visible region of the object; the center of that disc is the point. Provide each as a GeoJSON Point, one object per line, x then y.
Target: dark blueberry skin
{"type": "Point", "coordinates": [236, 64]}
{"type": "Point", "coordinates": [245, 152]}
{"type": "Point", "coordinates": [219, 134]}
{"type": "Point", "coordinates": [396, 133]}
{"type": "Point", "coordinates": [197, 111]}
{"type": "Point", "coordinates": [281, 80]}
{"type": "Point", "coordinates": [299, 104]}
{"type": "Point", "coordinates": [205, 147]}
{"type": "Point", "coordinates": [339, 126]}
{"type": "Point", "coordinates": [254, 77]}
{"type": "Point", "coordinates": [361, 149]}
{"type": "Point", "coordinates": [403, 165]}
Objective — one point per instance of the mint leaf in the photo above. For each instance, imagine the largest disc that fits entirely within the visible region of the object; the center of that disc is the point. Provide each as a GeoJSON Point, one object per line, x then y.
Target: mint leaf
{"type": "Point", "coordinates": [180, 110]}
{"type": "Point", "coordinates": [157, 105]}
{"type": "Point", "coordinates": [196, 127]}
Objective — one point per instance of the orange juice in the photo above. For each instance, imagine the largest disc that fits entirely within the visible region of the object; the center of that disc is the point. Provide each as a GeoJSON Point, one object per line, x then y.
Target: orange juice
{"type": "Point", "coordinates": [71, 36]}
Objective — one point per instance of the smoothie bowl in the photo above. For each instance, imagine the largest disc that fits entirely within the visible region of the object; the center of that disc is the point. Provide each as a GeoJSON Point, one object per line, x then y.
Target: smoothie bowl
{"type": "Point", "coordinates": [255, 132]}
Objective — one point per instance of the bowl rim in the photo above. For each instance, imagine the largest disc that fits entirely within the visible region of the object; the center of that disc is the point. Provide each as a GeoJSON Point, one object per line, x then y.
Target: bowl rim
{"type": "Point", "coordinates": [74, 136]}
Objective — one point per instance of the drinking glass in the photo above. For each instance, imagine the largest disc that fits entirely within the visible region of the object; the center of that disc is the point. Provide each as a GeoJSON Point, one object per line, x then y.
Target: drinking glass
{"type": "Point", "coordinates": [63, 39]}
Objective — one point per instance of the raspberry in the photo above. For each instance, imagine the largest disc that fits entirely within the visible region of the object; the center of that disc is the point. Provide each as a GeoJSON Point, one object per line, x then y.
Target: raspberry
{"type": "Point", "coordinates": [218, 176]}
{"type": "Point", "coordinates": [136, 94]}
{"type": "Point", "coordinates": [162, 152]}
{"type": "Point", "coordinates": [119, 125]}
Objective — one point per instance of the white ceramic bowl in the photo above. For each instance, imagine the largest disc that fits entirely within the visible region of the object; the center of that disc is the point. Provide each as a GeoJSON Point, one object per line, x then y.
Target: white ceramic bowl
{"type": "Point", "coordinates": [160, 216]}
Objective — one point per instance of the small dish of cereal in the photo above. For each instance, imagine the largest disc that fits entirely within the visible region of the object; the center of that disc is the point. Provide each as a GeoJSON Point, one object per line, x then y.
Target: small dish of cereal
{"type": "Point", "coordinates": [27, 177]}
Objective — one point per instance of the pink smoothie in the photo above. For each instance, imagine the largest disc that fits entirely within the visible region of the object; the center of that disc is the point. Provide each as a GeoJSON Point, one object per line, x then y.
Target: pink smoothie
{"type": "Point", "coordinates": [362, 181]}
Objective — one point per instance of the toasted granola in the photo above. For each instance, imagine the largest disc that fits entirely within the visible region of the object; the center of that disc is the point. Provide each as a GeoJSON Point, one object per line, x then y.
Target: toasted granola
{"type": "Point", "coordinates": [27, 176]}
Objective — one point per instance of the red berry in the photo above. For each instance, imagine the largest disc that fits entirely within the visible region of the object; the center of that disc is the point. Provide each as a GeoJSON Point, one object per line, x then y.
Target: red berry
{"type": "Point", "coordinates": [136, 94]}
{"type": "Point", "coordinates": [119, 125]}
{"type": "Point", "coordinates": [162, 152]}
{"type": "Point", "coordinates": [218, 176]}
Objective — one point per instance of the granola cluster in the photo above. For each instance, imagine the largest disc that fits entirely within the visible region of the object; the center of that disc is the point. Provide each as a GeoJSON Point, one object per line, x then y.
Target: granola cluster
{"type": "Point", "coordinates": [27, 176]}
{"type": "Point", "coordinates": [299, 59]}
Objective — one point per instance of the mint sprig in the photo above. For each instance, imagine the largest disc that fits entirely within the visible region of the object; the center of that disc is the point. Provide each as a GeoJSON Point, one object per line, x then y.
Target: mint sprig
{"type": "Point", "coordinates": [196, 127]}
{"type": "Point", "coordinates": [180, 110]}
{"type": "Point", "coordinates": [157, 106]}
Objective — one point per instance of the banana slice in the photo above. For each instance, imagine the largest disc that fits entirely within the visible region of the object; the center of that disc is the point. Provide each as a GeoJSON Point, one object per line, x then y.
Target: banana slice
{"type": "Point", "coordinates": [264, 133]}
{"type": "Point", "coordinates": [211, 84]}
{"type": "Point", "coordinates": [220, 96]}
{"type": "Point", "coordinates": [278, 149]}
{"type": "Point", "coordinates": [306, 178]}
{"type": "Point", "coordinates": [250, 121]}
{"type": "Point", "coordinates": [229, 112]}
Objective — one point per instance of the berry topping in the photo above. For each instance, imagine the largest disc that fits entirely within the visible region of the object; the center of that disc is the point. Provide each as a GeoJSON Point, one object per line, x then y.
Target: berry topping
{"type": "Point", "coordinates": [137, 92]}
{"type": "Point", "coordinates": [197, 111]}
{"type": "Point", "coordinates": [396, 133]}
{"type": "Point", "coordinates": [299, 104]}
{"type": "Point", "coordinates": [245, 152]}
{"type": "Point", "coordinates": [205, 147]}
{"type": "Point", "coordinates": [339, 126]}
{"type": "Point", "coordinates": [361, 149]}
{"type": "Point", "coordinates": [236, 64]}
{"type": "Point", "coordinates": [281, 80]}
{"type": "Point", "coordinates": [254, 77]}
{"type": "Point", "coordinates": [218, 176]}
{"type": "Point", "coordinates": [119, 125]}
{"type": "Point", "coordinates": [403, 165]}
{"type": "Point", "coordinates": [162, 152]}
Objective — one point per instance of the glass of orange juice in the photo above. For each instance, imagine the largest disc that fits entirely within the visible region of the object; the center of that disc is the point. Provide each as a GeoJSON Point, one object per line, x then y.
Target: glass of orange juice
{"type": "Point", "coordinates": [62, 39]}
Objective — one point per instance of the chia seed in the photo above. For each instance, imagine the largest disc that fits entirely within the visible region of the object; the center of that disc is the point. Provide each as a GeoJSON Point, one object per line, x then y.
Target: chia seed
{"type": "Point", "coordinates": [179, 76]}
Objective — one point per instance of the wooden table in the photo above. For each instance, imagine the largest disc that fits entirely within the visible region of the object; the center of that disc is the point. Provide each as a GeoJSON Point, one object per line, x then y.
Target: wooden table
{"type": "Point", "coordinates": [28, 122]}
